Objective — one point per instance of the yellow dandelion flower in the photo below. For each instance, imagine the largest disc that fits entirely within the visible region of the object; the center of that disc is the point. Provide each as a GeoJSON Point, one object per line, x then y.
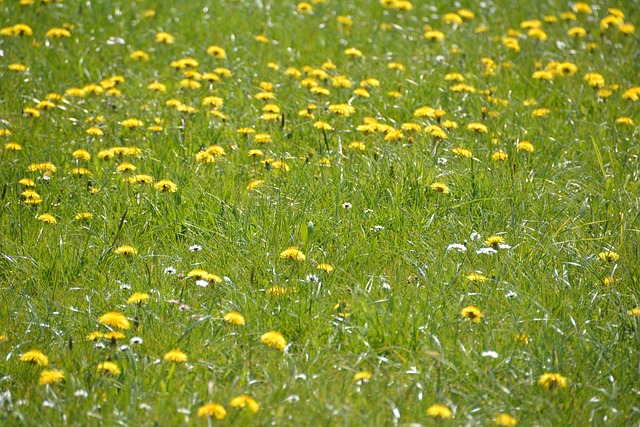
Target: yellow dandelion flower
{"type": "Point", "coordinates": [608, 256]}
{"type": "Point", "coordinates": [552, 381]}
{"type": "Point", "coordinates": [254, 184]}
{"type": "Point", "coordinates": [19, 68]}
{"type": "Point", "coordinates": [462, 152]}
{"type": "Point", "coordinates": [114, 335]}
{"type": "Point", "coordinates": [439, 412]}
{"type": "Point", "coordinates": [625, 121]}
{"type": "Point", "coordinates": [440, 187]}
{"type": "Point", "coordinates": [113, 319]}
{"type": "Point", "coordinates": [499, 156]}
{"type": "Point", "coordinates": [353, 52]}
{"type": "Point", "coordinates": [505, 420]}
{"type": "Point", "coordinates": [634, 311]}
{"type": "Point", "coordinates": [13, 146]}
{"type": "Point", "coordinates": [48, 218]}
{"type": "Point", "coordinates": [234, 318]}
{"type": "Point", "coordinates": [176, 356]}
{"type": "Point", "coordinates": [362, 376]}
{"type": "Point", "coordinates": [138, 298]}
{"type": "Point", "coordinates": [472, 313]}
{"type": "Point", "coordinates": [165, 38]}
{"type": "Point", "coordinates": [476, 278]}
{"type": "Point", "coordinates": [434, 35]}
{"type": "Point", "coordinates": [243, 401]}
{"type": "Point", "coordinates": [274, 339]}
{"type": "Point", "coordinates": [477, 127]}
{"type": "Point", "coordinates": [109, 368]}
{"type": "Point", "coordinates": [494, 241]}
{"type": "Point", "coordinates": [212, 410]}
{"type": "Point", "coordinates": [31, 112]}
{"type": "Point", "coordinates": [125, 250]}
{"type": "Point", "coordinates": [50, 377]}
{"type": "Point", "coordinates": [166, 185]}
{"type": "Point", "coordinates": [525, 146]}
{"type": "Point", "coordinates": [35, 357]}
{"type": "Point", "coordinates": [328, 268]}
{"type": "Point", "coordinates": [293, 253]}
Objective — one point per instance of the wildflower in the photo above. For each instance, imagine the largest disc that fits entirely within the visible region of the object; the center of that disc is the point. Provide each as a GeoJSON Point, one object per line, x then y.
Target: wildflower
{"type": "Point", "coordinates": [476, 278]}
{"type": "Point", "coordinates": [254, 184]}
{"type": "Point", "coordinates": [576, 32]}
{"type": "Point", "coordinates": [634, 311]}
{"type": "Point", "coordinates": [114, 335]}
{"type": "Point", "coordinates": [494, 241]}
{"type": "Point", "coordinates": [353, 52]}
{"type": "Point", "coordinates": [216, 52]}
{"type": "Point", "coordinates": [540, 112]}
{"type": "Point", "coordinates": [434, 35]}
{"type": "Point", "coordinates": [132, 123]}
{"type": "Point", "coordinates": [342, 109]}
{"type": "Point", "coordinates": [31, 112]}
{"type": "Point", "coordinates": [439, 412]}
{"type": "Point", "coordinates": [355, 145]}
{"type": "Point", "coordinates": [452, 18]}
{"type": "Point", "coordinates": [13, 146]}
{"type": "Point", "coordinates": [244, 401]}
{"type": "Point", "coordinates": [486, 251]}
{"type": "Point", "coordinates": [50, 377]}
{"type": "Point", "coordinates": [35, 357]}
{"type": "Point", "coordinates": [109, 368]}
{"type": "Point", "coordinates": [477, 127]}
{"type": "Point", "coordinates": [234, 318]}
{"type": "Point", "coordinates": [525, 146]}
{"type": "Point", "coordinates": [48, 218]}
{"type": "Point", "coordinates": [27, 182]}
{"type": "Point", "coordinates": [175, 355]}
{"type": "Point", "coordinates": [552, 381]}
{"type": "Point", "coordinates": [362, 376]}
{"type": "Point", "coordinates": [627, 29]}
{"type": "Point", "coordinates": [293, 253]}
{"type": "Point", "coordinates": [499, 156]}
{"type": "Point", "coordinates": [523, 338]}
{"type": "Point", "coordinates": [472, 313]}
{"type": "Point", "coordinates": [165, 38]}
{"type": "Point", "coordinates": [138, 298]}
{"type": "Point", "coordinates": [625, 121]}
{"type": "Point", "coordinates": [328, 268]}
{"type": "Point", "coordinates": [505, 420]}
{"type": "Point", "coordinates": [274, 339]}
{"type": "Point", "coordinates": [262, 138]}
{"type": "Point", "coordinates": [165, 185]}
{"type": "Point", "coordinates": [125, 250]}
{"type": "Point", "coordinates": [93, 336]}
{"type": "Point", "coordinates": [440, 187]}
{"type": "Point", "coordinates": [632, 94]}
{"type": "Point", "coordinates": [212, 410]}
{"type": "Point", "coordinates": [457, 247]}
{"type": "Point", "coordinates": [608, 256]}
{"type": "Point", "coordinates": [304, 7]}
{"type": "Point", "coordinates": [139, 55]}
{"type": "Point", "coordinates": [56, 33]}
{"type": "Point", "coordinates": [462, 152]}
{"type": "Point", "coordinates": [114, 319]}
{"type": "Point", "coordinates": [45, 105]}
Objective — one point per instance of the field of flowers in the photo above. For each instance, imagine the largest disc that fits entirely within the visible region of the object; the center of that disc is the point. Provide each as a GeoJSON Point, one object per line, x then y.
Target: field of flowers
{"type": "Point", "coordinates": [368, 212]}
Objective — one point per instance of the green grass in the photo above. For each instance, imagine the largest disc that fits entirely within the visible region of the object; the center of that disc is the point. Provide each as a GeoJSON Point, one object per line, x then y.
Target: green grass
{"type": "Point", "coordinates": [371, 214]}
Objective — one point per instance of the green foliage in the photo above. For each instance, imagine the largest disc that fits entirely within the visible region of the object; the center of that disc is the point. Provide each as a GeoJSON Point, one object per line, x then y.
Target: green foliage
{"type": "Point", "coordinates": [552, 298]}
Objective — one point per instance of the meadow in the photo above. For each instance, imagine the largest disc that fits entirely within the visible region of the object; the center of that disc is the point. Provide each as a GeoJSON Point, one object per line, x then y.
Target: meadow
{"type": "Point", "coordinates": [368, 212]}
